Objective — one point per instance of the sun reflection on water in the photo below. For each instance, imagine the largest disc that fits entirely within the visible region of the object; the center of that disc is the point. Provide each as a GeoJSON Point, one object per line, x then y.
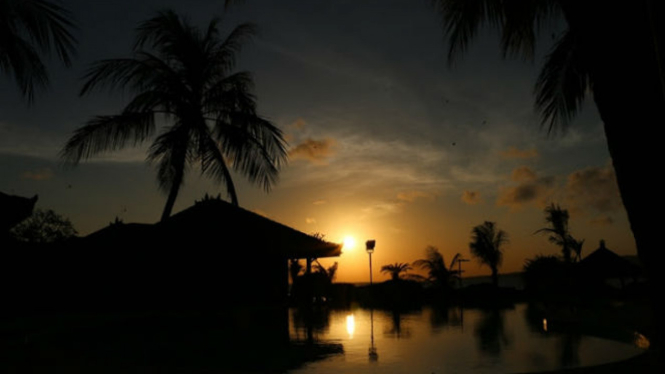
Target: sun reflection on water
{"type": "Point", "coordinates": [350, 325]}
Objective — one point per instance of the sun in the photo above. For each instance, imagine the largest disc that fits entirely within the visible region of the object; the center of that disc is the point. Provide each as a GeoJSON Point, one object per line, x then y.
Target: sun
{"type": "Point", "coordinates": [349, 242]}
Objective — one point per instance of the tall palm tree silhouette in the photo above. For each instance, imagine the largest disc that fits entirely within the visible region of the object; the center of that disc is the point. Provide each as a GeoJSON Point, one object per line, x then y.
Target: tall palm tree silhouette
{"type": "Point", "coordinates": [486, 245]}
{"type": "Point", "coordinates": [612, 49]}
{"type": "Point", "coordinates": [184, 76]}
{"type": "Point", "coordinates": [28, 28]}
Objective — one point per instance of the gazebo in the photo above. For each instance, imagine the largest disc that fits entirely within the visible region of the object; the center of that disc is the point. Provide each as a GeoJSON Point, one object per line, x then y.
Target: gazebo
{"type": "Point", "coordinates": [212, 252]}
{"type": "Point", "coordinates": [605, 265]}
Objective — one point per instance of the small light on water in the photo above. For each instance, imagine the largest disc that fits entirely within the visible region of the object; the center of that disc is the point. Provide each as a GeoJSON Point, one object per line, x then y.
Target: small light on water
{"type": "Point", "coordinates": [641, 341]}
{"type": "Point", "coordinates": [545, 324]}
{"type": "Point", "coordinates": [350, 325]}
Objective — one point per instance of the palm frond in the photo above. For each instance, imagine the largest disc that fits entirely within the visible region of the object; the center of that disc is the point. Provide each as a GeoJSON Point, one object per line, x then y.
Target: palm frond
{"type": "Point", "coordinates": [562, 84]}
{"type": "Point", "coordinates": [230, 94]}
{"type": "Point", "coordinates": [255, 145]}
{"type": "Point", "coordinates": [48, 24]}
{"type": "Point", "coordinates": [170, 151]}
{"type": "Point", "coordinates": [518, 22]}
{"type": "Point", "coordinates": [108, 133]}
{"type": "Point", "coordinates": [162, 31]}
{"type": "Point", "coordinates": [19, 58]}
{"type": "Point", "coordinates": [132, 74]}
{"type": "Point", "coordinates": [521, 22]}
{"type": "Point", "coordinates": [214, 166]}
{"type": "Point", "coordinates": [232, 45]}
{"type": "Point", "coordinates": [462, 20]}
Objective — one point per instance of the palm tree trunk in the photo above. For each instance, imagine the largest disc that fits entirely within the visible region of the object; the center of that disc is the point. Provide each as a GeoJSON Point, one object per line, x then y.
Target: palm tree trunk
{"type": "Point", "coordinates": [622, 53]}
{"type": "Point", "coordinates": [173, 192]}
{"type": "Point", "coordinates": [495, 277]}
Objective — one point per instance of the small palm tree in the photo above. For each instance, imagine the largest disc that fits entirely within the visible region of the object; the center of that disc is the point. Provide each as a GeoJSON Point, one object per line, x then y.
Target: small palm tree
{"type": "Point", "coordinates": [486, 246]}
{"type": "Point", "coordinates": [559, 233]}
{"type": "Point", "coordinates": [28, 28]}
{"type": "Point", "coordinates": [184, 76]}
{"type": "Point", "coordinates": [395, 270]}
{"type": "Point", "coordinates": [438, 273]}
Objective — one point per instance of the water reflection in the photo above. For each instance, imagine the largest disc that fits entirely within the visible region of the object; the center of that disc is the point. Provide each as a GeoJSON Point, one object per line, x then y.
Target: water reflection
{"type": "Point", "coordinates": [442, 316]}
{"type": "Point", "coordinates": [310, 322]}
{"type": "Point", "coordinates": [350, 325]}
{"type": "Point", "coordinates": [238, 341]}
{"type": "Point", "coordinates": [434, 340]}
{"type": "Point", "coordinates": [490, 332]}
{"type": "Point", "coordinates": [373, 353]}
{"type": "Point", "coordinates": [396, 329]}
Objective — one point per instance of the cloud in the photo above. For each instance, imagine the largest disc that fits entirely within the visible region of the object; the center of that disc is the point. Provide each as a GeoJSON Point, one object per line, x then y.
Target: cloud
{"type": "Point", "coordinates": [316, 151]}
{"type": "Point", "coordinates": [411, 196]}
{"type": "Point", "coordinates": [530, 189]}
{"type": "Point", "coordinates": [513, 153]}
{"type": "Point", "coordinates": [382, 208]}
{"type": "Point", "coordinates": [298, 124]}
{"type": "Point", "coordinates": [523, 173]}
{"type": "Point", "coordinates": [603, 220]}
{"type": "Point", "coordinates": [593, 188]}
{"type": "Point", "coordinates": [38, 175]}
{"type": "Point", "coordinates": [319, 202]}
{"type": "Point", "coordinates": [310, 220]}
{"type": "Point", "coordinates": [471, 197]}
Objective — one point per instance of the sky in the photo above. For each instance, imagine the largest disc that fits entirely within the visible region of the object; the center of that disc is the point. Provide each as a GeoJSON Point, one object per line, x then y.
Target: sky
{"type": "Point", "coordinates": [387, 141]}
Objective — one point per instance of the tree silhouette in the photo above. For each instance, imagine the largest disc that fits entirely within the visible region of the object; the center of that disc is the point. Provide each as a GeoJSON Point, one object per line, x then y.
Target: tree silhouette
{"type": "Point", "coordinates": [559, 233]}
{"type": "Point", "coordinates": [44, 226]}
{"type": "Point", "coordinates": [395, 270]}
{"type": "Point", "coordinates": [438, 273]}
{"type": "Point", "coordinates": [28, 28]}
{"type": "Point", "coordinates": [486, 246]}
{"type": "Point", "coordinates": [623, 67]}
{"type": "Point", "coordinates": [183, 75]}
{"type": "Point", "coordinates": [557, 219]}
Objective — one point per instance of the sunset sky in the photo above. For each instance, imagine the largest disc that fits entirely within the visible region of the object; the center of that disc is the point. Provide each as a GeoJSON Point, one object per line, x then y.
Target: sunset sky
{"type": "Point", "coordinates": [387, 141]}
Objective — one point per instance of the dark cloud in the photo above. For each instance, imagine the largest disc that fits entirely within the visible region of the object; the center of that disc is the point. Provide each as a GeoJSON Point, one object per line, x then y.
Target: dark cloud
{"type": "Point", "coordinates": [471, 197]}
{"type": "Point", "coordinates": [520, 154]}
{"type": "Point", "coordinates": [316, 151]}
{"type": "Point", "coordinates": [593, 188]}
{"type": "Point", "coordinates": [530, 189]}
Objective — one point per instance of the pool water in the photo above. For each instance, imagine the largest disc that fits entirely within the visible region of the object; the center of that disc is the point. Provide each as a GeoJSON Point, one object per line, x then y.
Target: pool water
{"type": "Point", "coordinates": [449, 340]}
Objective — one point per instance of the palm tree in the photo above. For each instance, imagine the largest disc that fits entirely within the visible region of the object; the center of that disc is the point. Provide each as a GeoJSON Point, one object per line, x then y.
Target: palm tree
{"type": "Point", "coordinates": [438, 273]}
{"type": "Point", "coordinates": [576, 247]}
{"type": "Point", "coordinates": [559, 234]}
{"type": "Point", "coordinates": [486, 245]}
{"type": "Point", "coordinates": [184, 76]}
{"type": "Point", "coordinates": [614, 50]}
{"type": "Point", "coordinates": [395, 270]}
{"type": "Point", "coordinates": [557, 219]}
{"type": "Point", "coordinates": [28, 28]}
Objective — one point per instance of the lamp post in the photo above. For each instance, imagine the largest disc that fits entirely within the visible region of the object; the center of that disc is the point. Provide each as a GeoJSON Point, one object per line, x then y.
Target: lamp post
{"type": "Point", "coordinates": [369, 247]}
{"type": "Point", "coordinates": [459, 266]}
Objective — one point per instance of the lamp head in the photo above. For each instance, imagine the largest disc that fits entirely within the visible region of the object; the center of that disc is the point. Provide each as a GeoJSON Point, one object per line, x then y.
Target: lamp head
{"type": "Point", "coordinates": [369, 246]}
